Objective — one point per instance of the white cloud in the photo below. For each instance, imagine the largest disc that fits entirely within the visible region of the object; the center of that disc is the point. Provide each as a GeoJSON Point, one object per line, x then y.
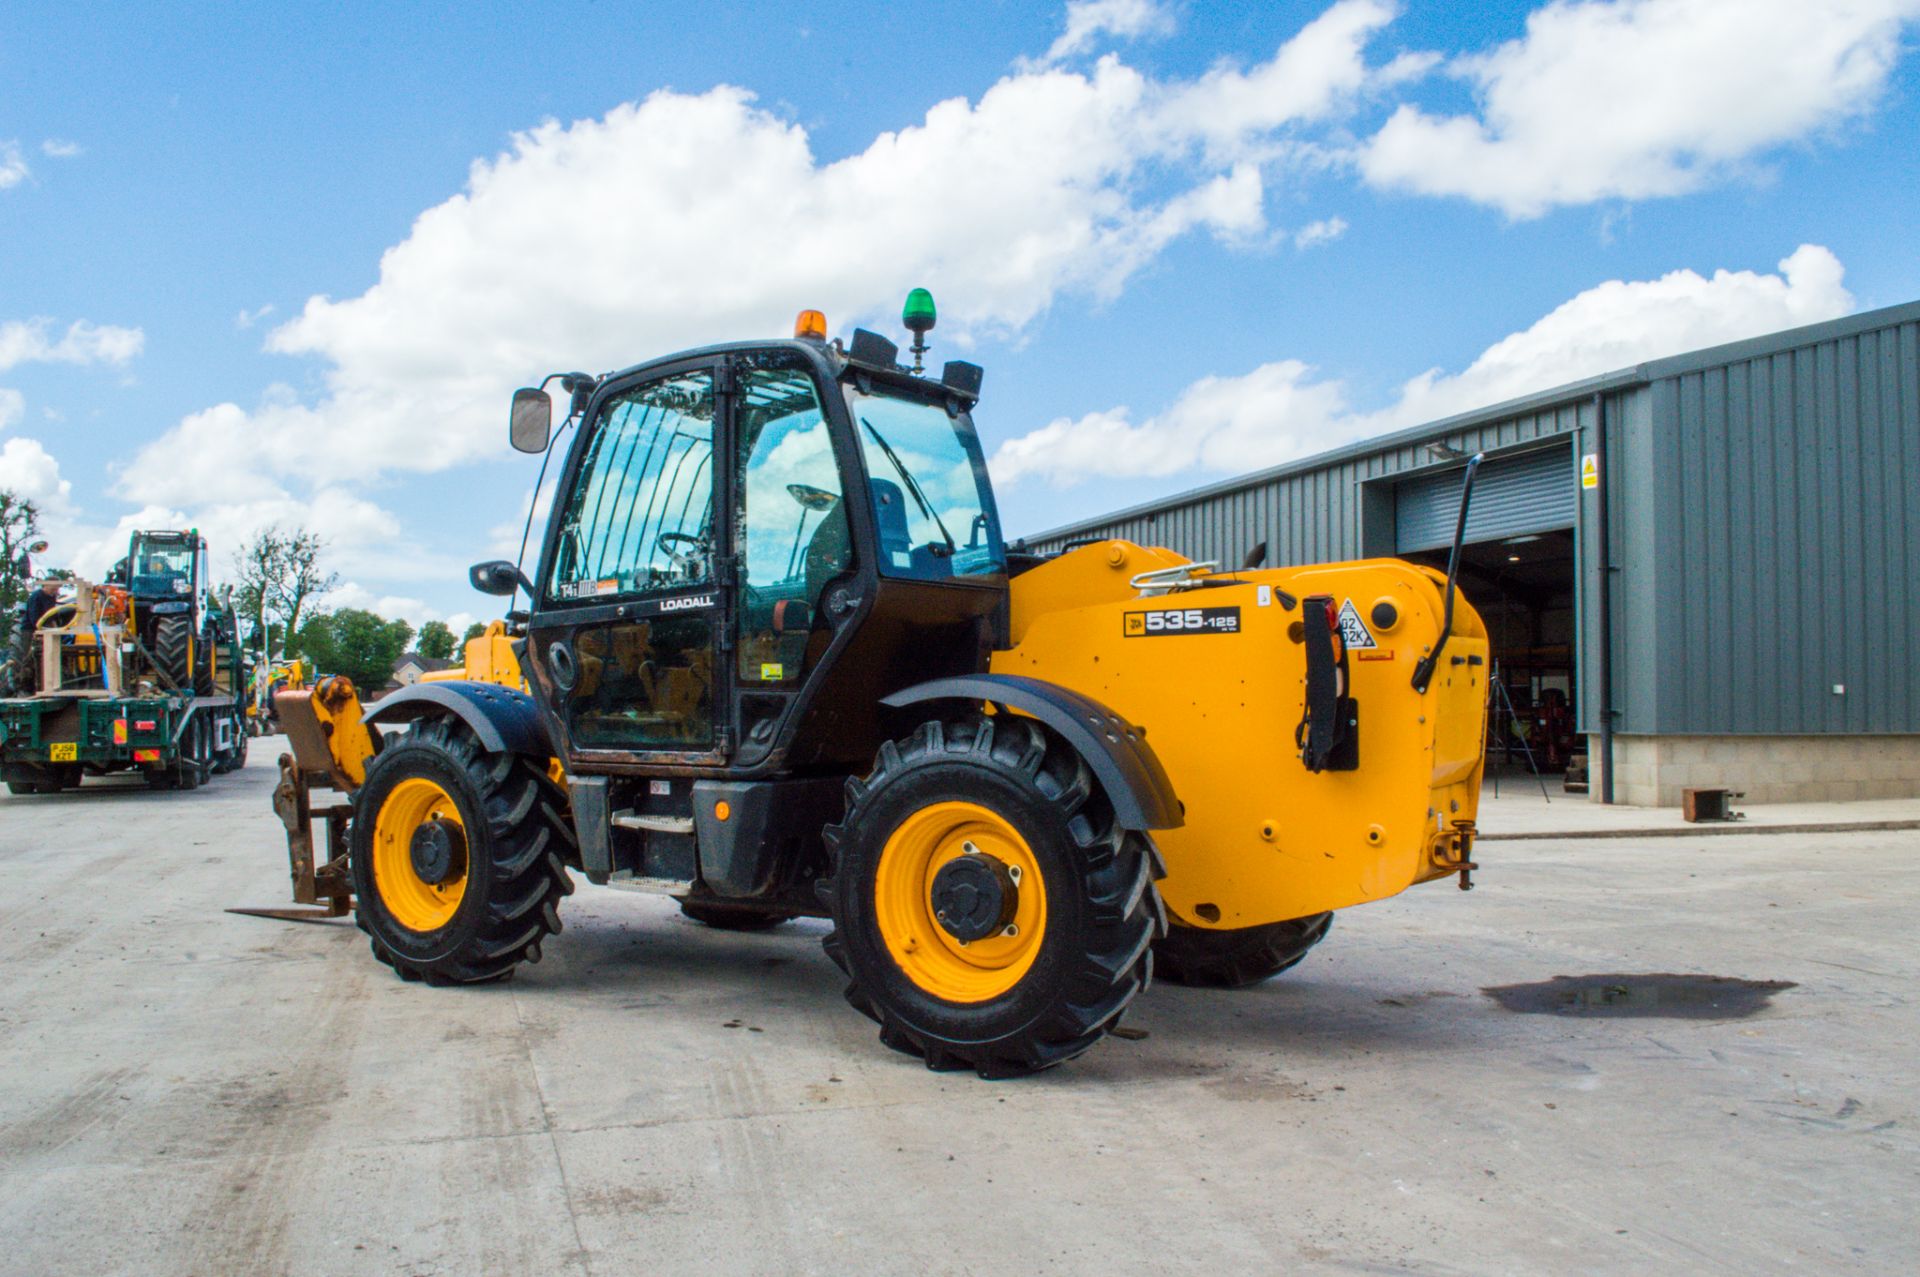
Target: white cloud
{"type": "Point", "coordinates": [29, 471]}
{"type": "Point", "coordinates": [1641, 98]}
{"type": "Point", "coordinates": [1324, 231]}
{"type": "Point", "coordinates": [248, 318]}
{"type": "Point", "coordinates": [394, 607]}
{"type": "Point", "coordinates": [592, 244]}
{"type": "Point", "coordinates": [1088, 20]}
{"type": "Point", "coordinates": [30, 341]}
{"type": "Point", "coordinates": [1317, 71]}
{"type": "Point", "coordinates": [13, 165]}
{"type": "Point", "coordinates": [13, 405]}
{"type": "Point", "coordinates": [1282, 410]}
{"type": "Point", "coordinates": [222, 454]}
{"type": "Point", "coordinates": [60, 148]}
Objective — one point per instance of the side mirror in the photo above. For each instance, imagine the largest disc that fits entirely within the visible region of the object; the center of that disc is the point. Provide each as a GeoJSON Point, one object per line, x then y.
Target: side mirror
{"type": "Point", "coordinates": [532, 421]}
{"type": "Point", "coordinates": [498, 577]}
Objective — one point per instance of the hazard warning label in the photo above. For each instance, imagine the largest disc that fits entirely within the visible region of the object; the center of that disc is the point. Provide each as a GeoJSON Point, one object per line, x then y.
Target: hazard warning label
{"type": "Point", "coordinates": [1353, 631]}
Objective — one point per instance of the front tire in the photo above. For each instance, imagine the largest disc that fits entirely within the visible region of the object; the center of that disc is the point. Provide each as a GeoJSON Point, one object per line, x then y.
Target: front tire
{"type": "Point", "coordinates": [173, 650]}
{"type": "Point", "coordinates": [458, 857]}
{"type": "Point", "coordinates": [1239, 957]}
{"type": "Point", "coordinates": [988, 909]}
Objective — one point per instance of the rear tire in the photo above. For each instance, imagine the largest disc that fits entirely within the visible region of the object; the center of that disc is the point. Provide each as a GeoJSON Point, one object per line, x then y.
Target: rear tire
{"type": "Point", "coordinates": [203, 650]}
{"type": "Point", "coordinates": [733, 917]}
{"type": "Point", "coordinates": [514, 847]}
{"type": "Point", "coordinates": [1240, 957]}
{"type": "Point", "coordinates": [17, 675]}
{"type": "Point", "coordinates": [1027, 994]}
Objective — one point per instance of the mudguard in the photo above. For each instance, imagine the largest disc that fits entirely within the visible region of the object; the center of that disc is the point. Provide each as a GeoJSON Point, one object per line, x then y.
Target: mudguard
{"type": "Point", "coordinates": [1118, 754]}
{"type": "Point", "coordinates": [504, 718]}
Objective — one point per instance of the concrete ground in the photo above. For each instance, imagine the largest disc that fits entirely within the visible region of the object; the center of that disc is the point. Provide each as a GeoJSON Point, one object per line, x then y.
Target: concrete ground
{"type": "Point", "coordinates": [187, 1091]}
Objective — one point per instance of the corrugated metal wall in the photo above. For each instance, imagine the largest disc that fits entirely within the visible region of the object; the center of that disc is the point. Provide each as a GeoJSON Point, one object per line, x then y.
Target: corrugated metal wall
{"type": "Point", "coordinates": [1765, 507]}
{"type": "Point", "coordinates": [1312, 513]}
{"type": "Point", "coordinates": [1786, 540]}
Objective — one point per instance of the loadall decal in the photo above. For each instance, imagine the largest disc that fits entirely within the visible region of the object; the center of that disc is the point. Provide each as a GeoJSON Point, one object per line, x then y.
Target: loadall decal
{"type": "Point", "coordinates": [1186, 620]}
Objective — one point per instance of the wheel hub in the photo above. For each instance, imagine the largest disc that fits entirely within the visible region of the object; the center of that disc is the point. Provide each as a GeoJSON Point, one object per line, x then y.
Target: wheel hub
{"type": "Point", "coordinates": [974, 896]}
{"type": "Point", "coordinates": [438, 850]}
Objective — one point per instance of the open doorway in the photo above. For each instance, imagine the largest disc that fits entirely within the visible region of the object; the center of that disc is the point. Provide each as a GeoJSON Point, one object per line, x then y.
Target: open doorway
{"type": "Point", "coordinates": [1523, 587]}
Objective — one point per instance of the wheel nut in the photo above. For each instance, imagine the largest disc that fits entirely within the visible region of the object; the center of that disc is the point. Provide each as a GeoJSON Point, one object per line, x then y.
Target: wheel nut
{"type": "Point", "coordinates": [1013, 929]}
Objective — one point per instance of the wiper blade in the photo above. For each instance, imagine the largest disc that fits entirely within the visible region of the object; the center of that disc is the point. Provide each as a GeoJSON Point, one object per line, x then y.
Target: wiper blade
{"type": "Point", "coordinates": [913, 487]}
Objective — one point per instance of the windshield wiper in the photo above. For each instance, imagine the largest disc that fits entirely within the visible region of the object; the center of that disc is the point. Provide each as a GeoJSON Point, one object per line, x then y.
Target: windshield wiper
{"type": "Point", "coordinates": [926, 507]}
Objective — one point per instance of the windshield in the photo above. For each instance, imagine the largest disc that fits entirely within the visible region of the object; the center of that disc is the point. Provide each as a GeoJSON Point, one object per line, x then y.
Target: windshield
{"type": "Point", "coordinates": [163, 567]}
{"type": "Point", "coordinates": [928, 484]}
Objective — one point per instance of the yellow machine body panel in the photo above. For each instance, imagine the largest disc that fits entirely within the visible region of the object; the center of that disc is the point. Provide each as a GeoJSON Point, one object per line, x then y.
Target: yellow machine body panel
{"type": "Point", "coordinates": [1216, 676]}
{"type": "Point", "coordinates": [489, 659]}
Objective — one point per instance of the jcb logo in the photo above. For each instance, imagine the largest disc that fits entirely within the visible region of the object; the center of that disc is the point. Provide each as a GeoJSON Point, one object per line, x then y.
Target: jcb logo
{"type": "Point", "coordinates": [1192, 620]}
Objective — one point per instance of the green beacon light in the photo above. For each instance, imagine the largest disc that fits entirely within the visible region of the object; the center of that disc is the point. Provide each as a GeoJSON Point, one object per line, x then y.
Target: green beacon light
{"type": "Point", "coordinates": [917, 315]}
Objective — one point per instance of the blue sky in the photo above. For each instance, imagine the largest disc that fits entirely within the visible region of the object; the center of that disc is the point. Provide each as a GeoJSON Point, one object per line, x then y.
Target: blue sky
{"type": "Point", "coordinates": [276, 266]}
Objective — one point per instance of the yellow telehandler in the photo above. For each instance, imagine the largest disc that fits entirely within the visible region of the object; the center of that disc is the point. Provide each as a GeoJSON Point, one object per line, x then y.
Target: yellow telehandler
{"type": "Point", "coordinates": [776, 660]}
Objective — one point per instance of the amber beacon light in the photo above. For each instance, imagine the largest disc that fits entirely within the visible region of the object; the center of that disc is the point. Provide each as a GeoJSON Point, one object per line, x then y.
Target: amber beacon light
{"type": "Point", "coordinates": [811, 324]}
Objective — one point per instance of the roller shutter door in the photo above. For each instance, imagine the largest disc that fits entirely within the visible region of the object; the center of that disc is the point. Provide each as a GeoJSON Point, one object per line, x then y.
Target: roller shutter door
{"type": "Point", "coordinates": [1530, 492]}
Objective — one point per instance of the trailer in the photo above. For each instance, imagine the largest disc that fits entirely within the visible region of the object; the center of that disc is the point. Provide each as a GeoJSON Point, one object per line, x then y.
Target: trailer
{"type": "Point", "coordinates": [50, 743]}
{"type": "Point", "coordinates": [142, 673]}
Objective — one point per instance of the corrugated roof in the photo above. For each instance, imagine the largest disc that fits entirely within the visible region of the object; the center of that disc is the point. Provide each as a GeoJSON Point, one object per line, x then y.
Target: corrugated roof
{"type": "Point", "coordinates": [1639, 374]}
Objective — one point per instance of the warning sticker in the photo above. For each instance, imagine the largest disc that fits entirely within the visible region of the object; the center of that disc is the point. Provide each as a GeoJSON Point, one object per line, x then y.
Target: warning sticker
{"type": "Point", "coordinates": [1353, 631]}
{"type": "Point", "coordinates": [1589, 471]}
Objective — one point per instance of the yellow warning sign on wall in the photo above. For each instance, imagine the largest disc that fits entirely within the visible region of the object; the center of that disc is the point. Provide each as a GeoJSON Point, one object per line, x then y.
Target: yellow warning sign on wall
{"type": "Point", "coordinates": [1589, 471]}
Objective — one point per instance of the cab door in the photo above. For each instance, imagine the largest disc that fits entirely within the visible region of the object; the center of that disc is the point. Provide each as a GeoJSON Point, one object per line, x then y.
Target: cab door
{"type": "Point", "coordinates": [627, 629]}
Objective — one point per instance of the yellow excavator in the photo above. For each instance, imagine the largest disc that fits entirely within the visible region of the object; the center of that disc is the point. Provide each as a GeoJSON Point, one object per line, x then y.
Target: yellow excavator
{"type": "Point", "coordinates": [776, 660]}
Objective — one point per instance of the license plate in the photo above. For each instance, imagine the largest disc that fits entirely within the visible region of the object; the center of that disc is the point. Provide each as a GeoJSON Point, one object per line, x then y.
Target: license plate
{"type": "Point", "coordinates": [64, 753]}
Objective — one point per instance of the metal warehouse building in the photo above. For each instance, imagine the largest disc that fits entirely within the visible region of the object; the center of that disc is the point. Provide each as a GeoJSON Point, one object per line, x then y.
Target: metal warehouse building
{"type": "Point", "coordinates": [1705, 566]}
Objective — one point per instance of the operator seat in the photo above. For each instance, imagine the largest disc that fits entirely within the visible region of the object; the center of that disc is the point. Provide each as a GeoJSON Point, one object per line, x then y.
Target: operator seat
{"type": "Point", "coordinates": [890, 514]}
{"type": "Point", "coordinates": [829, 551]}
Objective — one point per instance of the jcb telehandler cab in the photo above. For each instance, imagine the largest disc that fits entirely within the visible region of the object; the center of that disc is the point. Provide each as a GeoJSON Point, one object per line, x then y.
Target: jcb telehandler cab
{"type": "Point", "coordinates": [778, 660]}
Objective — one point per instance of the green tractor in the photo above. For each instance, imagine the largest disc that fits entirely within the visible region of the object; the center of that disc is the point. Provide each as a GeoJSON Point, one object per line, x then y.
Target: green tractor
{"type": "Point", "coordinates": [172, 615]}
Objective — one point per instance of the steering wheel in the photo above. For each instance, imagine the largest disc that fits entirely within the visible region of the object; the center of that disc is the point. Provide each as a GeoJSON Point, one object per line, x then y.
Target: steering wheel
{"type": "Point", "coordinates": [688, 563]}
{"type": "Point", "coordinates": [811, 498]}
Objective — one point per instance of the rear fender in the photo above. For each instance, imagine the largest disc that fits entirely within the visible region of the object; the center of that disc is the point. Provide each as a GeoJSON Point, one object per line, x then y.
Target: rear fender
{"type": "Point", "coordinates": [504, 718]}
{"type": "Point", "coordinates": [1116, 752]}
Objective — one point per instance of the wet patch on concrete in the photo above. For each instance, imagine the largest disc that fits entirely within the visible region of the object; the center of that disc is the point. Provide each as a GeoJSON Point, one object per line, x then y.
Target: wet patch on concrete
{"type": "Point", "coordinates": [1663, 995]}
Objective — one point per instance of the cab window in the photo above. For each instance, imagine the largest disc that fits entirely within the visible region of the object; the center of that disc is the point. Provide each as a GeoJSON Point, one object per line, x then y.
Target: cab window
{"type": "Point", "coordinates": [639, 518]}
{"type": "Point", "coordinates": [927, 481]}
{"type": "Point", "coordinates": [791, 524]}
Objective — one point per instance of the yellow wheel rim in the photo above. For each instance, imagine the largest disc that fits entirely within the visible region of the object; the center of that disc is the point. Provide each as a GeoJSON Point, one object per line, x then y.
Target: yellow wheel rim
{"type": "Point", "coordinates": [926, 952]}
{"type": "Point", "coordinates": [413, 902]}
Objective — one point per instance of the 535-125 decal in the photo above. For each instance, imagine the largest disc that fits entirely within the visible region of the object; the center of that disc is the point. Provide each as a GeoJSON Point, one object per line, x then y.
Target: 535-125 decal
{"type": "Point", "coordinates": [1188, 620]}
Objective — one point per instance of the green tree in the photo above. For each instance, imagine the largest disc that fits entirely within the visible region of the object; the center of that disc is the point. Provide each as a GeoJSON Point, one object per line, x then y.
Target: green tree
{"type": "Point", "coordinates": [277, 575]}
{"type": "Point", "coordinates": [356, 643]}
{"type": "Point", "coordinates": [436, 641]}
{"type": "Point", "coordinates": [474, 631]}
{"type": "Point", "coordinates": [19, 527]}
